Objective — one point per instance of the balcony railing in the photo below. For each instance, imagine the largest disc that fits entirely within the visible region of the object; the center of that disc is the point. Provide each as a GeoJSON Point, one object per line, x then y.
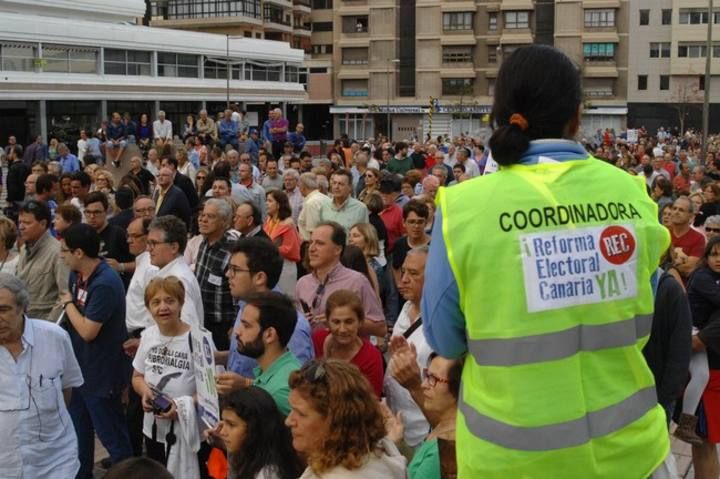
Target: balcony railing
{"type": "Point", "coordinates": [302, 3]}
{"type": "Point", "coordinates": [188, 9]}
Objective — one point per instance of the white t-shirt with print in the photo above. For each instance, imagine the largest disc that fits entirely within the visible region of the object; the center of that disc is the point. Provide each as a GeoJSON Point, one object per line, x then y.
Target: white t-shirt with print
{"type": "Point", "coordinates": [158, 356]}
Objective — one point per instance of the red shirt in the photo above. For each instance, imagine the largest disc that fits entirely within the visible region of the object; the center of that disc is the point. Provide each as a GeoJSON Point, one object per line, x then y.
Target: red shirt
{"type": "Point", "coordinates": [368, 360]}
{"type": "Point", "coordinates": [692, 243]}
{"type": "Point", "coordinates": [392, 217]}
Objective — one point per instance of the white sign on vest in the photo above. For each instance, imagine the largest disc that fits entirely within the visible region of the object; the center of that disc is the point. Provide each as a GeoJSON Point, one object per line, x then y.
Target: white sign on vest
{"type": "Point", "coordinates": [203, 353]}
{"type": "Point", "coordinates": [491, 166]}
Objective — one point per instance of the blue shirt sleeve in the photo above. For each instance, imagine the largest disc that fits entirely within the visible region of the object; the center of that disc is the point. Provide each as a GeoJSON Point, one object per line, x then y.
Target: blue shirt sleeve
{"type": "Point", "coordinates": [300, 343]}
{"type": "Point", "coordinates": [443, 321]}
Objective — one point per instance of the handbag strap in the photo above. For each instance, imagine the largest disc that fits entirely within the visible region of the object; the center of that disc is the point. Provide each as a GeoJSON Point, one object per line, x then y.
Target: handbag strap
{"type": "Point", "coordinates": [409, 331]}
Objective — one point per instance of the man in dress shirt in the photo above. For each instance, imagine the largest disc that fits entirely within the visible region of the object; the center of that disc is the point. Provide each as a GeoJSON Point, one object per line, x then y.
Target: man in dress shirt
{"type": "Point", "coordinates": [162, 130]}
{"type": "Point", "coordinates": [314, 200]}
{"type": "Point", "coordinates": [37, 367]}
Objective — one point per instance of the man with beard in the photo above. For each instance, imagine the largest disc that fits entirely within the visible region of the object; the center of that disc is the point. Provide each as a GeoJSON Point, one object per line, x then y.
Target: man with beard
{"type": "Point", "coordinates": [266, 325]}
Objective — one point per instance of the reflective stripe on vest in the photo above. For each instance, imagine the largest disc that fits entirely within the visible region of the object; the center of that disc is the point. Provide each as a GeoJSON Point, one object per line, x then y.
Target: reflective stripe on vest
{"type": "Point", "coordinates": [562, 435]}
{"type": "Point", "coordinates": [560, 344]}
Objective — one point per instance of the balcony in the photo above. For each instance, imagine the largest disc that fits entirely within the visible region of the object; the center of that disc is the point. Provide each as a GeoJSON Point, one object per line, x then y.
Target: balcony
{"type": "Point", "coordinates": [302, 6]}
{"type": "Point", "coordinates": [302, 29]}
{"type": "Point", "coordinates": [352, 25]}
{"type": "Point", "coordinates": [276, 19]}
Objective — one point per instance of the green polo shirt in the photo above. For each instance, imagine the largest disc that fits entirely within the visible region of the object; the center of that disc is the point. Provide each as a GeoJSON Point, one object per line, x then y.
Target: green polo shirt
{"type": "Point", "coordinates": [275, 379]}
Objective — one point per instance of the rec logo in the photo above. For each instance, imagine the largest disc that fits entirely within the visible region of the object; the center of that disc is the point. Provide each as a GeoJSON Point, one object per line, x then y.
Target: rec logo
{"type": "Point", "coordinates": [617, 244]}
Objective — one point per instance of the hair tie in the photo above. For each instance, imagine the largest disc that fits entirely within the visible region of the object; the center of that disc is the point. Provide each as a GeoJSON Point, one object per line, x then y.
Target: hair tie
{"type": "Point", "coordinates": [519, 120]}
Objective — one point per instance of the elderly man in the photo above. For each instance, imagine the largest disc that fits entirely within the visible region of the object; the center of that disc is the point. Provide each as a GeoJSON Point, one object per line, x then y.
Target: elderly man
{"type": "Point", "coordinates": [297, 138]}
{"type": "Point", "coordinates": [39, 266]}
{"type": "Point", "coordinates": [144, 207]}
{"type": "Point", "coordinates": [206, 128]}
{"type": "Point", "coordinates": [162, 130]}
{"type": "Point", "coordinates": [212, 260]}
{"type": "Point", "coordinates": [166, 241]}
{"type": "Point", "coordinates": [279, 127]}
{"type": "Point", "coordinates": [228, 131]}
{"type": "Point", "coordinates": [405, 398]}
{"type": "Point", "coordinates": [313, 203]}
{"type": "Point", "coordinates": [248, 220]}
{"type": "Point", "coordinates": [37, 367]}
{"type": "Point", "coordinates": [170, 199]}
{"type": "Point", "coordinates": [291, 189]}
{"type": "Point", "coordinates": [68, 162]}
{"type": "Point", "coordinates": [712, 227]}
{"type": "Point", "coordinates": [687, 243]}
{"type": "Point", "coordinates": [143, 175]}
{"type": "Point", "coordinates": [30, 183]}
{"type": "Point", "coordinates": [343, 209]}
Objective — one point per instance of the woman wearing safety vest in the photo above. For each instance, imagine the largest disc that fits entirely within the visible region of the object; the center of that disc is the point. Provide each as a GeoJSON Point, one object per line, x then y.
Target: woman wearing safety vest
{"type": "Point", "coordinates": [541, 274]}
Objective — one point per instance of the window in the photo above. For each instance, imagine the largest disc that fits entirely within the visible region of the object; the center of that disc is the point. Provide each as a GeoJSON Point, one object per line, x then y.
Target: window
{"type": "Point", "coordinates": [692, 50]}
{"type": "Point", "coordinates": [354, 88]}
{"type": "Point", "coordinates": [354, 24]}
{"type": "Point", "coordinates": [459, 54]}
{"type": "Point", "coordinates": [716, 17]}
{"type": "Point", "coordinates": [491, 87]}
{"type": "Point", "coordinates": [457, 86]}
{"type": "Point", "coordinates": [62, 59]}
{"type": "Point", "coordinates": [177, 65]}
{"type": "Point", "coordinates": [263, 71]}
{"type": "Point", "coordinates": [660, 50]}
{"type": "Point", "coordinates": [515, 20]}
{"type": "Point", "coordinates": [185, 9]}
{"type": "Point", "coordinates": [354, 56]}
{"type": "Point", "coordinates": [127, 62]}
{"type": "Point", "coordinates": [693, 16]}
{"type": "Point", "coordinates": [322, 4]}
{"type": "Point", "coordinates": [701, 82]}
{"type": "Point", "coordinates": [274, 14]}
{"type": "Point", "coordinates": [322, 27]}
{"type": "Point", "coordinates": [599, 52]}
{"type": "Point", "coordinates": [357, 126]}
{"type": "Point", "coordinates": [457, 21]}
{"type": "Point", "coordinates": [644, 17]}
{"type": "Point", "coordinates": [666, 16]}
{"type": "Point", "coordinates": [215, 69]}
{"type": "Point", "coordinates": [642, 82]}
{"type": "Point", "coordinates": [492, 52]}
{"type": "Point", "coordinates": [17, 57]}
{"type": "Point", "coordinates": [604, 17]}
{"type": "Point", "coordinates": [492, 21]}
{"type": "Point", "coordinates": [664, 82]}
{"type": "Point", "coordinates": [322, 49]}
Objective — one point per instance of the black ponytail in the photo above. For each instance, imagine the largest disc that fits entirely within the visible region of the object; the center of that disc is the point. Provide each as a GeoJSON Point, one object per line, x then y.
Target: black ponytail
{"type": "Point", "coordinates": [541, 84]}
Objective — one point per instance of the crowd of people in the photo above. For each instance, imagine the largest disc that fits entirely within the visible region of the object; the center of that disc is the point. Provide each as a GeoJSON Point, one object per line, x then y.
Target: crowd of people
{"type": "Point", "coordinates": [309, 273]}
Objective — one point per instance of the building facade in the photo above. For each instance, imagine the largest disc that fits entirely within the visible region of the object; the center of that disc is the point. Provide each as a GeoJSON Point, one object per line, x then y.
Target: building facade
{"type": "Point", "coordinates": [666, 73]}
{"type": "Point", "coordinates": [393, 59]}
{"type": "Point", "coordinates": [286, 21]}
{"type": "Point", "coordinates": [66, 65]}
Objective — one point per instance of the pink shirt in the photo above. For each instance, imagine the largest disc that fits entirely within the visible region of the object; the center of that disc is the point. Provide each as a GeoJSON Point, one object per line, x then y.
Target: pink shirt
{"type": "Point", "coordinates": [309, 290]}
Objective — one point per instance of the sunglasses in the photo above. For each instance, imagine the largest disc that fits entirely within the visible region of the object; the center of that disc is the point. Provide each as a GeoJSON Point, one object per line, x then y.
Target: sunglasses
{"type": "Point", "coordinates": [712, 230]}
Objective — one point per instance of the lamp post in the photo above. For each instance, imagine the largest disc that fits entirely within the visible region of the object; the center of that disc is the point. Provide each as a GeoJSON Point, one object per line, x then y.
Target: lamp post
{"type": "Point", "coordinates": [706, 99]}
{"type": "Point", "coordinates": [228, 68]}
{"type": "Point", "coordinates": [387, 111]}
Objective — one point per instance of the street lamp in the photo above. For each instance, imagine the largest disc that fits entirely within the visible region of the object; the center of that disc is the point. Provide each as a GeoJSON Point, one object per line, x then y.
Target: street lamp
{"type": "Point", "coordinates": [387, 111]}
{"type": "Point", "coordinates": [228, 68]}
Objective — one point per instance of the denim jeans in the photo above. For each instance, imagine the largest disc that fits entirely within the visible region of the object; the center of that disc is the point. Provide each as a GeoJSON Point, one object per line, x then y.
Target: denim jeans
{"type": "Point", "coordinates": [102, 416]}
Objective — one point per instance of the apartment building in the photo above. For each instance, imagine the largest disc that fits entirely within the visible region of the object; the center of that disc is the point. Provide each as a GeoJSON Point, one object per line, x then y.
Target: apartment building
{"type": "Point", "coordinates": [280, 20]}
{"type": "Point", "coordinates": [666, 68]}
{"type": "Point", "coordinates": [392, 57]}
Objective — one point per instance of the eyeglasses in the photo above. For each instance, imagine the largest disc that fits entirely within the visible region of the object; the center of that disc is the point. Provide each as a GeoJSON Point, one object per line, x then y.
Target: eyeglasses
{"type": "Point", "coordinates": [712, 230]}
{"type": "Point", "coordinates": [200, 177]}
{"type": "Point", "coordinates": [431, 379]}
{"type": "Point", "coordinates": [232, 270]}
{"type": "Point", "coordinates": [93, 212]}
{"type": "Point", "coordinates": [416, 222]}
{"type": "Point", "coordinates": [153, 243]}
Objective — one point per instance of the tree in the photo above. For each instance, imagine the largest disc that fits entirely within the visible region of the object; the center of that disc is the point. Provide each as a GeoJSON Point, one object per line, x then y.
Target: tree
{"type": "Point", "coordinates": [686, 97]}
